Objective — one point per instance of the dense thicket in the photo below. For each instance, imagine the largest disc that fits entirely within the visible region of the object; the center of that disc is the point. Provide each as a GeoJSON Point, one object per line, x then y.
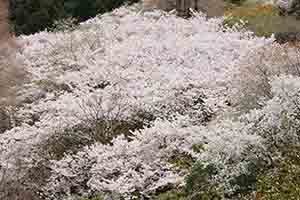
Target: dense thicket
{"type": "Point", "coordinates": [30, 16]}
{"type": "Point", "coordinates": [84, 9]}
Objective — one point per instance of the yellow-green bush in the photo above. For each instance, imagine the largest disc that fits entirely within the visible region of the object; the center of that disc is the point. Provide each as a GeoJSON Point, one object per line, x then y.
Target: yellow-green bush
{"type": "Point", "coordinates": [182, 161]}
{"type": "Point", "coordinates": [283, 181]}
{"type": "Point", "coordinates": [262, 19]}
{"type": "Point", "coordinates": [96, 197]}
{"type": "Point", "coordinates": [171, 195]}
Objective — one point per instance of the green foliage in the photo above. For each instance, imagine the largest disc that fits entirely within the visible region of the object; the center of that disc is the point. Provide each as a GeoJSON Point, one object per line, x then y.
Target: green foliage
{"type": "Point", "coordinates": [105, 130]}
{"type": "Point", "coordinates": [283, 180]}
{"type": "Point", "coordinates": [102, 130]}
{"type": "Point", "coordinates": [199, 185]}
{"type": "Point", "coordinates": [72, 140]}
{"type": "Point", "coordinates": [287, 37]}
{"type": "Point", "coordinates": [198, 148]}
{"type": "Point", "coordinates": [85, 9]}
{"type": "Point", "coordinates": [67, 141]}
{"type": "Point", "coordinates": [236, 2]}
{"type": "Point", "coordinates": [182, 161]}
{"type": "Point", "coordinates": [65, 24]}
{"type": "Point", "coordinates": [245, 183]}
{"type": "Point", "coordinates": [5, 122]}
{"type": "Point", "coordinates": [30, 16]}
{"type": "Point", "coordinates": [171, 195]}
{"type": "Point", "coordinates": [34, 15]}
{"type": "Point", "coordinates": [96, 197]}
{"type": "Point", "coordinates": [232, 21]}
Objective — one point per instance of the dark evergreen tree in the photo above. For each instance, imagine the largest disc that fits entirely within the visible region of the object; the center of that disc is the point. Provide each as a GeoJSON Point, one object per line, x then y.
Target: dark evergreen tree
{"type": "Point", "coordinates": [30, 16]}
{"type": "Point", "coordinates": [85, 9]}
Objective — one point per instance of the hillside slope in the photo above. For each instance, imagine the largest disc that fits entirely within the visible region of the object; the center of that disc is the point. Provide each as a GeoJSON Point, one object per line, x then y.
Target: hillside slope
{"type": "Point", "coordinates": [164, 82]}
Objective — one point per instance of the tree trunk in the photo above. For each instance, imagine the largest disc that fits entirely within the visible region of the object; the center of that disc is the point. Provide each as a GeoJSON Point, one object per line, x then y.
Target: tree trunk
{"type": "Point", "coordinates": [4, 26]}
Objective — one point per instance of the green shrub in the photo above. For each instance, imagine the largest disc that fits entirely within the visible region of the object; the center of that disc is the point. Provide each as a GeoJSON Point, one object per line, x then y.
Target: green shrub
{"type": "Point", "coordinates": [182, 161]}
{"type": "Point", "coordinates": [71, 140]}
{"type": "Point", "coordinates": [198, 148]}
{"type": "Point", "coordinates": [85, 9]}
{"type": "Point", "coordinates": [236, 2]}
{"type": "Point", "coordinates": [103, 130]}
{"type": "Point", "coordinates": [32, 16]}
{"type": "Point", "coordinates": [65, 142]}
{"type": "Point", "coordinates": [245, 183]}
{"type": "Point", "coordinates": [64, 24]}
{"type": "Point", "coordinates": [5, 122]}
{"type": "Point", "coordinates": [199, 185]}
{"type": "Point", "coordinates": [171, 195]}
{"type": "Point", "coordinates": [232, 21]}
{"type": "Point", "coordinates": [283, 180]}
{"type": "Point", "coordinates": [96, 197]}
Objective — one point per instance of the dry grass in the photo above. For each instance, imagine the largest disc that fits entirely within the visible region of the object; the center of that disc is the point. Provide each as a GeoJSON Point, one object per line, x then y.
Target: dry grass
{"type": "Point", "coordinates": [262, 19]}
{"type": "Point", "coordinates": [212, 7]}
